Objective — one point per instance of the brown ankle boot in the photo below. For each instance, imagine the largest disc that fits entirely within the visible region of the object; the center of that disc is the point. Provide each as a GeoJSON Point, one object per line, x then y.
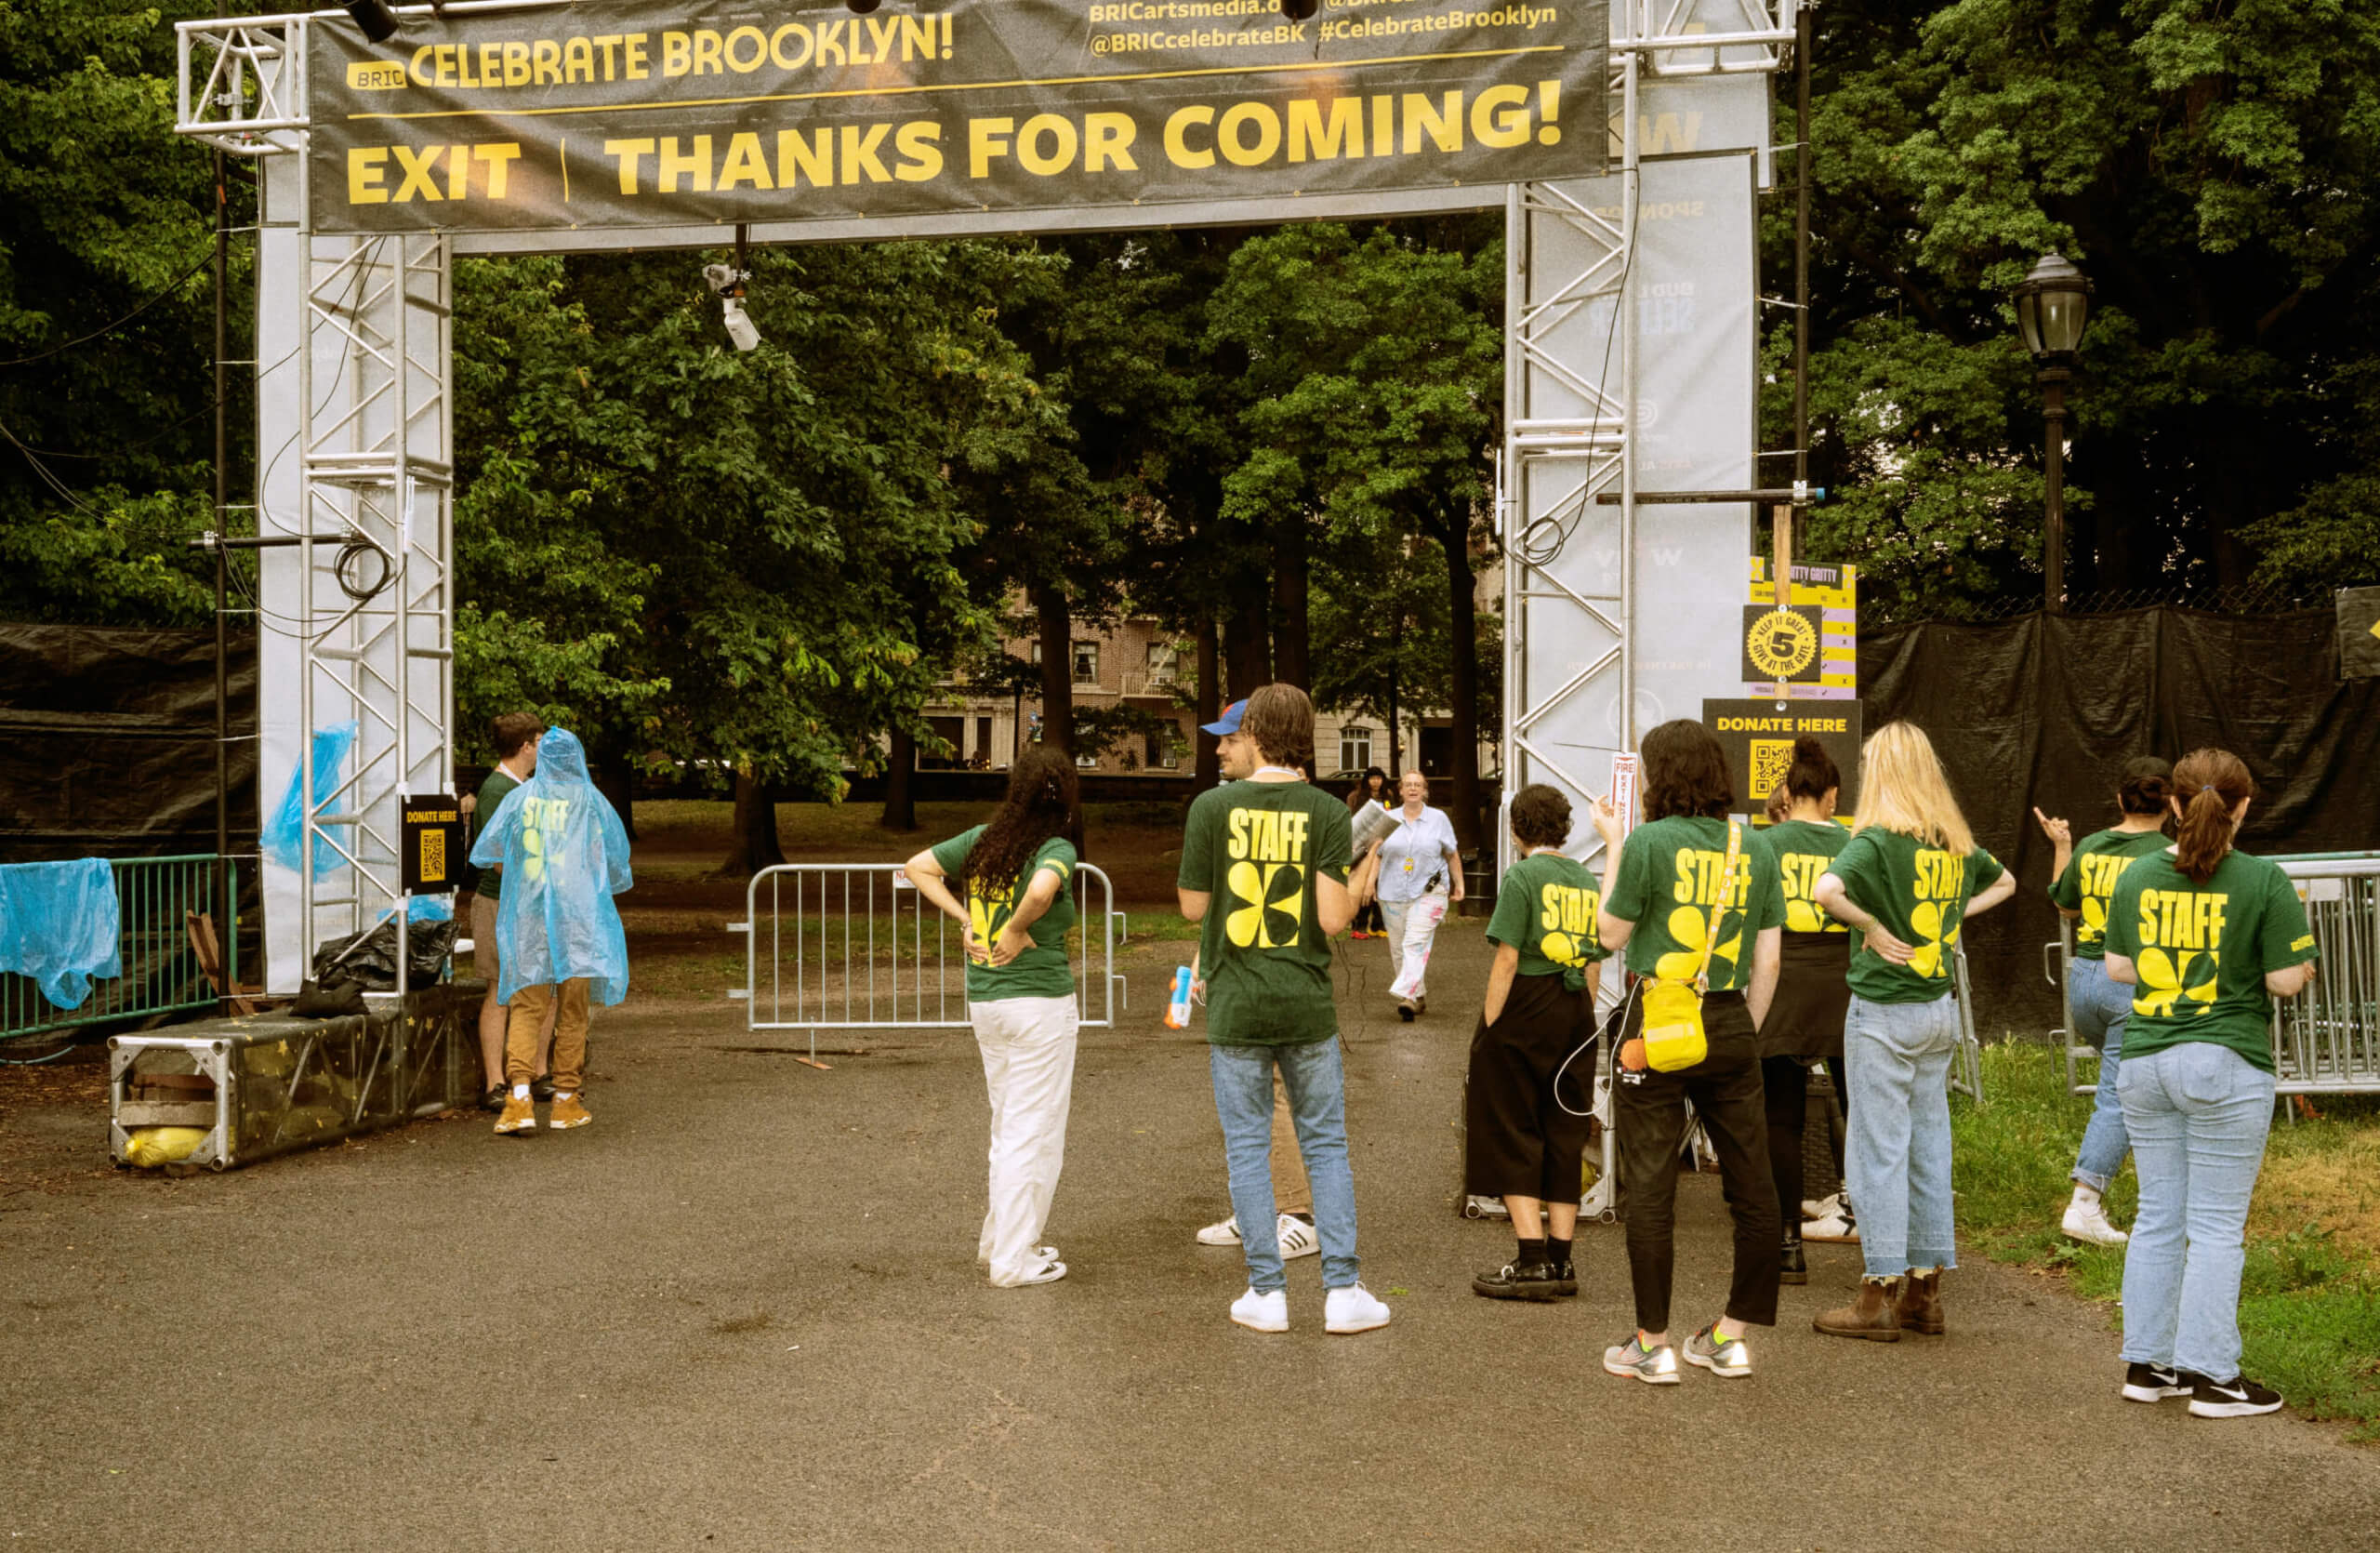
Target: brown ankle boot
{"type": "Point", "coordinates": [1920, 1306]}
{"type": "Point", "coordinates": [1869, 1316]}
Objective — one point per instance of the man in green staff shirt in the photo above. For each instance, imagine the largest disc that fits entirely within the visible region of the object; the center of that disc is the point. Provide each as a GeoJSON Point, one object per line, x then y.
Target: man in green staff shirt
{"type": "Point", "coordinates": [1278, 852]}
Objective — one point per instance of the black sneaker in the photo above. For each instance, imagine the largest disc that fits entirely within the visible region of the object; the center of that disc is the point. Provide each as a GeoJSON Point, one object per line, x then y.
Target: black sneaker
{"type": "Point", "coordinates": [1792, 1267]}
{"type": "Point", "coordinates": [2236, 1398]}
{"type": "Point", "coordinates": [1405, 1010]}
{"type": "Point", "coordinates": [541, 1089]}
{"type": "Point", "coordinates": [1565, 1280]}
{"type": "Point", "coordinates": [494, 1099]}
{"type": "Point", "coordinates": [2154, 1383]}
{"type": "Point", "coordinates": [1529, 1280]}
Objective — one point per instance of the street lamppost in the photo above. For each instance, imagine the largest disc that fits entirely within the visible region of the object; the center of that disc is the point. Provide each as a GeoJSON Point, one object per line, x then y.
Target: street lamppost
{"type": "Point", "coordinates": [2053, 301]}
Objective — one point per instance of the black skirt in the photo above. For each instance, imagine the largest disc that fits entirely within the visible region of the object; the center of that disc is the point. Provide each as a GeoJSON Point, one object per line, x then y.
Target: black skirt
{"type": "Point", "coordinates": [1519, 1138]}
{"type": "Point", "coordinates": [1813, 995]}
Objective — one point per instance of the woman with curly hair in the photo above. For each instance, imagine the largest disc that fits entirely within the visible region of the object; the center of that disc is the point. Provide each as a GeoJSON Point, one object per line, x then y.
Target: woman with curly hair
{"type": "Point", "coordinates": [1014, 874]}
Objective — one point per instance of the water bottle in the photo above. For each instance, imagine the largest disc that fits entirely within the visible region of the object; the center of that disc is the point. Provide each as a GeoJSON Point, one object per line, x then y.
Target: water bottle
{"type": "Point", "coordinates": [1177, 1013]}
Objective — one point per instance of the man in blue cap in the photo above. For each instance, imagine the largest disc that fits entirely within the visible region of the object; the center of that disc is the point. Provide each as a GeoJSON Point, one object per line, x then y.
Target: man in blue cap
{"type": "Point", "coordinates": [1278, 852]}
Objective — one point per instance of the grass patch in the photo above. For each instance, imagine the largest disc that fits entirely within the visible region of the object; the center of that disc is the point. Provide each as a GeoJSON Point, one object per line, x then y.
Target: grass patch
{"type": "Point", "coordinates": [2309, 1298]}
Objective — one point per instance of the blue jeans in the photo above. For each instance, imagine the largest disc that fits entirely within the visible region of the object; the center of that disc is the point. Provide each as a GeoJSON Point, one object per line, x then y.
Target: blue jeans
{"type": "Point", "coordinates": [1317, 1091]}
{"type": "Point", "coordinates": [1897, 1057]}
{"type": "Point", "coordinates": [2100, 1006]}
{"type": "Point", "coordinates": [2198, 1114]}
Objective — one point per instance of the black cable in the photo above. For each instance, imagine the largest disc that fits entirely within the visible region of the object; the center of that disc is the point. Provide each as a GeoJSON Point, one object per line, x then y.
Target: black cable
{"type": "Point", "coordinates": [176, 286]}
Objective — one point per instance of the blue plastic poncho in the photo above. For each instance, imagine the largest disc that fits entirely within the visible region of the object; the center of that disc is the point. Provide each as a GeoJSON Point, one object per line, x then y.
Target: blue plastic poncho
{"type": "Point", "coordinates": [61, 924]}
{"type": "Point", "coordinates": [283, 836]}
{"type": "Point", "coordinates": [565, 855]}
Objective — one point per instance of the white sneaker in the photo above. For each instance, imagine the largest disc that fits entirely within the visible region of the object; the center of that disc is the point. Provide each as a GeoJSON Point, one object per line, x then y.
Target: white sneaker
{"type": "Point", "coordinates": [1048, 1272]}
{"type": "Point", "coordinates": [1821, 1207]}
{"type": "Point", "coordinates": [1838, 1227]}
{"type": "Point", "coordinates": [2090, 1225]}
{"type": "Point", "coordinates": [1352, 1309]}
{"type": "Point", "coordinates": [1297, 1236]}
{"type": "Point", "coordinates": [1262, 1312]}
{"type": "Point", "coordinates": [1226, 1233]}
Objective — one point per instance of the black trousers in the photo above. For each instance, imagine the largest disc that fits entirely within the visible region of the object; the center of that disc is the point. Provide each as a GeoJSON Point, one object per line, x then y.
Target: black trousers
{"type": "Point", "coordinates": [1785, 1083]}
{"type": "Point", "coordinates": [1650, 1117]}
{"type": "Point", "coordinates": [1519, 1137]}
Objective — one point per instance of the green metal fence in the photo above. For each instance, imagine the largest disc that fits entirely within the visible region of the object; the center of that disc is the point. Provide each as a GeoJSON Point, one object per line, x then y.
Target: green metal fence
{"type": "Point", "coordinates": [154, 896]}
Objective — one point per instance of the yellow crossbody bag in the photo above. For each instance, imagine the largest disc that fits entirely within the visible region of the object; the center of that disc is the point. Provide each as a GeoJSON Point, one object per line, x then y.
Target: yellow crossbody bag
{"type": "Point", "coordinates": [1673, 1033]}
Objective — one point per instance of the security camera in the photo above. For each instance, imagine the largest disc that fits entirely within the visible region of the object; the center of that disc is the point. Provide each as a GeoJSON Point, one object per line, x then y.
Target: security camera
{"type": "Point", "coordinates": [728, 282]}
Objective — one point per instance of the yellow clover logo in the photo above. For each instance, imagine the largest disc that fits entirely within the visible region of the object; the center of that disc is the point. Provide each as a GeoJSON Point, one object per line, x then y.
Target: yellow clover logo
{"type": "Point", "coordinates": [1803, 916]}
{"type": "Point", "coordinates": [2094, 920]}
{"type": "Point", "coordinates": [1686, 926]}
{"type": "Point", "coordinates": [1933, 943]}
{"type": "Point", "coordinates": [1274, 909]}
{"type": "Point", "coordinates": [533, 860]}
{"type": "Point", "coordinates": [2168, 980]}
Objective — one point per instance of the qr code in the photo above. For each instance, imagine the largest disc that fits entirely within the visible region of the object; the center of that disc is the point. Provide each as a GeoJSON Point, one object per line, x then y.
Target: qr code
{"type": "Point", "coordinates": [433, 855]}
{"type": "Point", "coordinates": [1771, 759]}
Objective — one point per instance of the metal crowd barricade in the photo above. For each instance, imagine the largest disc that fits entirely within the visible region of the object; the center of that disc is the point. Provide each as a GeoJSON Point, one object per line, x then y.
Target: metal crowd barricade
{"type": "Point", "coordinates": [155, 898]}
{"type": "Point", "coordinates": [855, 946]}
{"type": "Point", "coordinates": [2326, 1040]}
{"type": "Point", "coordinates": [2061, 976]}
{"type": "Point", "coordinates": [1966, 1061]}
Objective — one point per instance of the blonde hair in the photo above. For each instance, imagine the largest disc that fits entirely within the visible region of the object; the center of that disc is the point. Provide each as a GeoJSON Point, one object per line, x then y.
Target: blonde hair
{"type": "Point", "coordinates": [1902, 789]}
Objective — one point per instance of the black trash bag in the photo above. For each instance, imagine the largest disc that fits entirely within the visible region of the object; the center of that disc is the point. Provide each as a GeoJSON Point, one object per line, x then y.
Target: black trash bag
{"type": "Point", "coordinates": [337, 1001]}
{"type": "Point", "coordinates": [370, 960]}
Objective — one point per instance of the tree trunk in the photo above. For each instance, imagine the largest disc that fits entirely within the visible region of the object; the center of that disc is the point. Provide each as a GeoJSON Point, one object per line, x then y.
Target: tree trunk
{"type": "Point", "coordinates": [615, 776]}
{"type": "Point", "coordinates": [1054, 614]}
{"type": "Point", "coordinates": [1248, 647]}
{"type": "Point", "coordinates": [1211, 703]}
{"type": "Point", "coordinates": [1292, 655]}
{"type": "Point", "coordinates": [900, 793]}
{"type": "Point", "coordinates": [1395, 726]}
{"type": "Point", "coordinates": [753, 844]}
{"type": "Point", "coordinates": [1463, 614]}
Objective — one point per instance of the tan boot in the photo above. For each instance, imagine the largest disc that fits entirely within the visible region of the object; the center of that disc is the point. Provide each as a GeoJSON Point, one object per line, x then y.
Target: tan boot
{"type": "Point", "coordinates": [1869, 1316]}
{"type": "Point", "coordinates": [1920, 1307]}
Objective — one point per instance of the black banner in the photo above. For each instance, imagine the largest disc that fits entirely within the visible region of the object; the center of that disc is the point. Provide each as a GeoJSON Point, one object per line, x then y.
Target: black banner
{"type": "Point", "coordinates": [1781, 646]}
{"type": "Point", "coordinates": [434, 845]}
{"type": "Point", "coordinates": [1758, 737]}
{"type": "Point", "coordinates": [673, 113]}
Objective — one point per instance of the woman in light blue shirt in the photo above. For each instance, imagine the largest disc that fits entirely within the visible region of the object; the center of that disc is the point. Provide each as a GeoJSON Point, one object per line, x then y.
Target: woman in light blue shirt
{"type": "Point", "coordinates": [1417, 876]}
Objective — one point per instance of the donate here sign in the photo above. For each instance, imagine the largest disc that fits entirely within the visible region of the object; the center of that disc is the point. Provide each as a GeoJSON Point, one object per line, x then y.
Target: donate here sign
{"type": "Point", "coordinates": [671, 112]}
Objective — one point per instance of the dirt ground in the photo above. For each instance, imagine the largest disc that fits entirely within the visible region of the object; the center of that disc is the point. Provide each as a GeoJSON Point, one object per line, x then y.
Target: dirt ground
{"type": "Point", "coordinates": [741, 1311]}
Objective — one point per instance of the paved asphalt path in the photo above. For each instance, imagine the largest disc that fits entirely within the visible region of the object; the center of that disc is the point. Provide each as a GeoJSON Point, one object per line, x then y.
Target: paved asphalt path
{"type": "Point", "coordinates": [741, 1311]}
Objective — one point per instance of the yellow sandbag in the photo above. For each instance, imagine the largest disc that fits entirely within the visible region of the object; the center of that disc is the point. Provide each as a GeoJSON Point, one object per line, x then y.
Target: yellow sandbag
{"type": "Point", "coordinates": [157, 1146]}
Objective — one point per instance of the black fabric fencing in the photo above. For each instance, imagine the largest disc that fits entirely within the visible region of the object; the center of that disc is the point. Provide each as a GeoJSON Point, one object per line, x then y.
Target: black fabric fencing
{"type": "Point", "coordinates": [107, 742]}
{"type": "Point", "coordinates": [2047, 709]}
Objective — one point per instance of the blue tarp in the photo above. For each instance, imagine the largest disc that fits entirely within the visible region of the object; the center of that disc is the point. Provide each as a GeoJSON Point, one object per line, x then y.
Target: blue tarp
{"type": "Point", "coordinates": [565, 855]}
{"type": "Point", "coordinates": [283, 837]}
{"type": "Point", "coordinates": [60, 924]}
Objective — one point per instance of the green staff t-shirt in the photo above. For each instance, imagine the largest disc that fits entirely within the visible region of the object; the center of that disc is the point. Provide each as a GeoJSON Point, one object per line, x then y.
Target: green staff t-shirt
{"type": "Point", "coordinates": [2089, 882]}
{"type": "Point", "coordinates": [1039, 972]}
{"type": "Point", "coordinates": [1667, 883]}
{"type": "Point", "coordinates": [1920, 892]}
{"type": "Point", "coordinates": [1255, 849]}
{"type": "Point", "coordinates": [1545, 907]}
{"type": "Point", "coordinates": [2202, 951]}
{"type": "Point", "coordinates": [497, 786]}
{"type": "Point", "coordinates": [1804, 850]}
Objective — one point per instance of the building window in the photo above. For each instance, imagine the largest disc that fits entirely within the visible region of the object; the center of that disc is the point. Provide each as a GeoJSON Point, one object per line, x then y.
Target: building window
{"type": "Point", "coordinates": [1354, 748]}
{"type": "Point", "coordinates": [1083, 762]}
{"type": "Point", "coordinates": [1037, 659]}
{"type": "Point", "coordinates": [1086, 663]}
{"type": "Point", "coordinates": [1162, 656]}
{"type": "Point", "coordinates": [1162, 749]}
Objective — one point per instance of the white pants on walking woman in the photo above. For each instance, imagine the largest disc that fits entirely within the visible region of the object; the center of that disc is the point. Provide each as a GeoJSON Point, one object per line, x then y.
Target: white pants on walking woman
{"type": "Point", "coordinates": [1028, 1046]}
{"type": "Point", "coordinates": [1412, 928]}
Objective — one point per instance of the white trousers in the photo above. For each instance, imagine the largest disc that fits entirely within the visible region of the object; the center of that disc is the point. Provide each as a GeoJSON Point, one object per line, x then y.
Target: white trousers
{"type": "Point", "coordinates": [1028, 1046]}
{"type": "Point", "coordinates": [1412, 928]}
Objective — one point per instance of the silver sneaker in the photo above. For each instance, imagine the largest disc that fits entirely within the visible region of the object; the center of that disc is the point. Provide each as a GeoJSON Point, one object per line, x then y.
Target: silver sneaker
{"type": "Point", "coordinates": [1721, 1356]}
{"type": "Point", "coordinates": [1658, 1367]}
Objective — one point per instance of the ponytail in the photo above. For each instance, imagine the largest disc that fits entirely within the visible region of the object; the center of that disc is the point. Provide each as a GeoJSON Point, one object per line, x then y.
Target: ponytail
{"type": "Point", "coordinates": [2147, 783]}
{"type": "Point", "coordinates": [1814, 773]}
{"type": "Point", "coordinates": [2210, 783]}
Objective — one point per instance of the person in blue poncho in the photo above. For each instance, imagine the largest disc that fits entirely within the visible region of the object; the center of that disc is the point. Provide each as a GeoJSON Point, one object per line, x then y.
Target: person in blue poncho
{"type": "Point", "coordinates": [564, 855]}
